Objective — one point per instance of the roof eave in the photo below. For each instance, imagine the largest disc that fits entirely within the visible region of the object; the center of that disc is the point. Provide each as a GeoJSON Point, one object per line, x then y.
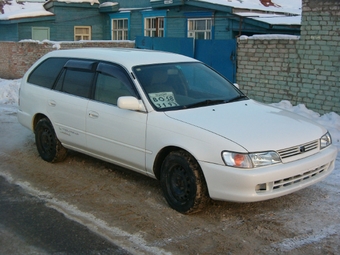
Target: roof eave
{"type": "Point", "coordinates": [27, 19]}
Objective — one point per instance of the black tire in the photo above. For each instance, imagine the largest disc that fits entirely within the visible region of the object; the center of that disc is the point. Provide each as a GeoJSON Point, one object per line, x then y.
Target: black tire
{"type": "Point", "coordinates": [183, 183]}
{"type": "Point", "coordinates": [49, 147]}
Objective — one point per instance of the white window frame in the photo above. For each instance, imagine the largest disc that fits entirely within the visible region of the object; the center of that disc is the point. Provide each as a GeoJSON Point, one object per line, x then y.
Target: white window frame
{"type": "Point", "coordinates": [194, 31]}
{"type": "Point", "coordinates": [82, 35]}
{"type": "Point", "coordinates": [120, 32]}
{"type": "Point", "coordinates": [154, 27]}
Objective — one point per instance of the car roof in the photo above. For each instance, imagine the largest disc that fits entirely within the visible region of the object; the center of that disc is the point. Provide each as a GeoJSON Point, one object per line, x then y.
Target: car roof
{"type": "Point", "coordinates": [127, 57]}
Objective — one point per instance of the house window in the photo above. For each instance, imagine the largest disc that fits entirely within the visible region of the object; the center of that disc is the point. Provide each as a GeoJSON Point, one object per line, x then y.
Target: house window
{"type": "Point", "coordinates": [82, 33]}
{"type": "Point", "coordinates": [40, 33]}
{"type": "Point", "coordinates": [199, 28]}
{"type": "Point", "coordinates": [154, 27]}
{"type": "Point", "coordinates": [119, 29]}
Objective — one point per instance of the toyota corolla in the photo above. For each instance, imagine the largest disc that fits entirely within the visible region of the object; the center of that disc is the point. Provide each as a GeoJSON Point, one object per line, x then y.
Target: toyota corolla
{"type": "Point", "coordinates": [172, 118]}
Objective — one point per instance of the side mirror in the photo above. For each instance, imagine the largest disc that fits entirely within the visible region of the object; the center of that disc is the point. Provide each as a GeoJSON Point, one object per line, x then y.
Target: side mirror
{"type": "Point", "coordinates": [236, 85]}
{"type": "Point", "coordinates": [130, 103]}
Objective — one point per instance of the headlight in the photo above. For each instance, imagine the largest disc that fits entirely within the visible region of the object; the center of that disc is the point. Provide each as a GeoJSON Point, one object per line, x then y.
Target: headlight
{"type": "Point", "coordinates": [250, 160]}
{"type": "Point", "coordinates": [325, 140]}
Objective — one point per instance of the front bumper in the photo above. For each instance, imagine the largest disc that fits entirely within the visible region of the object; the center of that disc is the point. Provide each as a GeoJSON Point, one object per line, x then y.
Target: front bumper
{"type": "Point", "coordinates": [240, 185]}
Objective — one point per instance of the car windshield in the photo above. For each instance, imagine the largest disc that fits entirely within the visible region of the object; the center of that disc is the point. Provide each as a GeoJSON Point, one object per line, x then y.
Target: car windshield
{"type": "Point", "coordinates": [185, 85]}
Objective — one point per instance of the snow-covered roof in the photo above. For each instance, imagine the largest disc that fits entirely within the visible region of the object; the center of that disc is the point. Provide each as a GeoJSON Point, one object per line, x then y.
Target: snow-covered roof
{"type": "Point", "coordinates": [23, 10]}
{"type": "Point", "coordinates": [283, 6]}
{"type": "Point", "coordinates": [16, 10]}
{"type": "Point", "coordinates": [272, 11]}
{"type": "Point", "coordinates": [272, 19]}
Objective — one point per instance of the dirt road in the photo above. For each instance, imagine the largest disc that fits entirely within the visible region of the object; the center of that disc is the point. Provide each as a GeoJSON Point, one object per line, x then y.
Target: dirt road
{"type": "Point", "coordinates": [129, 209]}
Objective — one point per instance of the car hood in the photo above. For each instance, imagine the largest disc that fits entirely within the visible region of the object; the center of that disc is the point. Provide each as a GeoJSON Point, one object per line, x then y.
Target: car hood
{"type": "Point", "coordinates": [252, 125]}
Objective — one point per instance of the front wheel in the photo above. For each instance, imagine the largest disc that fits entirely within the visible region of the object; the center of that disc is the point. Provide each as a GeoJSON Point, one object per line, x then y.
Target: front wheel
{"type": "Point", "coordinates": [49, 147]}
{"type": "Point", "coordinates": [183, 183]}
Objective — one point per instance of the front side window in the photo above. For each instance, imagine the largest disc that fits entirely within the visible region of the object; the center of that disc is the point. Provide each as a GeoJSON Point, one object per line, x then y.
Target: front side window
{"type": "Point", "coordinates": [154, 27]}
{"type": "Point", "coordinates": [119, 29]}
{"type": "Point", "coordinates": [199, 28]}
{"type": "Point", "coordinates": [185, 85]}
{"type": "Point", "coordinates": [112, 82]}
{"type": "Point", "coordinates": [82, 33]}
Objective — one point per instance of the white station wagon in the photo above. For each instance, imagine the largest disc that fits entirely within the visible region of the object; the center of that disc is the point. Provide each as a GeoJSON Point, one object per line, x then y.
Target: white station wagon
{"type": "Point", "coordinates": [172, 118]}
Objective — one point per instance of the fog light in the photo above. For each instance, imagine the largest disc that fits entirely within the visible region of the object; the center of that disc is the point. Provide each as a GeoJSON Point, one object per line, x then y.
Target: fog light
{"type": "Point", "coordinates": [261, 187]}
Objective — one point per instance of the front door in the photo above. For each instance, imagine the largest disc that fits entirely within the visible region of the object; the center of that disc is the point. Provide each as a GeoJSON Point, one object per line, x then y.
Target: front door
{"type": "Point", "coordinates": [115, 134]}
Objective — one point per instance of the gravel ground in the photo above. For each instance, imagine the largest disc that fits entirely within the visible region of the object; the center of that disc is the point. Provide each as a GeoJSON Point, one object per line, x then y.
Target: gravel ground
{"type": "Point", "coordinates": [129, 210]}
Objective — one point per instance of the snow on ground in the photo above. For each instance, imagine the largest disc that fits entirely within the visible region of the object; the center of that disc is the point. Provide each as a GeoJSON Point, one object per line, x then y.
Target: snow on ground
{"type": "Point", "coordinates": [9, 90]}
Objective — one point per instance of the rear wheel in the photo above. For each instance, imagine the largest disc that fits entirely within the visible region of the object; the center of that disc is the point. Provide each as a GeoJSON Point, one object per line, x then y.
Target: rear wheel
{"type": "Point", "coordinates": [49, 147]}
{"type": "Point", "coordinates": [183, 183]}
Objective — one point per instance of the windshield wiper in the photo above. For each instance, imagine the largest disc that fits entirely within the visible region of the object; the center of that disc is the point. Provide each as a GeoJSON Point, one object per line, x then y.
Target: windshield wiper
{"type": "Point", "coordinates": [238, 98]}
{"type": "Point", "coordinates": [206, 103]}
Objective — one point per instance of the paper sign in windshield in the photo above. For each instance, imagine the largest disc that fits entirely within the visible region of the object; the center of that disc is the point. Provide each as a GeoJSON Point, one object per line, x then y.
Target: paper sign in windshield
{"type": "Point", "coordinates": [163, 99]}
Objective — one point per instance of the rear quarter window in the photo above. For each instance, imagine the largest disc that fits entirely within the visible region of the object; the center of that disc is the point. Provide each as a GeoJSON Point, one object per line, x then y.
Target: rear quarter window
{"type": "Point", "coordinates": [47, 72]}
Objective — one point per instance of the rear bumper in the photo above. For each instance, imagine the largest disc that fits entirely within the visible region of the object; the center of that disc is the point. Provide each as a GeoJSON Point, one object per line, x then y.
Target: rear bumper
{"type": "Point", "coordinates": [238, 185]}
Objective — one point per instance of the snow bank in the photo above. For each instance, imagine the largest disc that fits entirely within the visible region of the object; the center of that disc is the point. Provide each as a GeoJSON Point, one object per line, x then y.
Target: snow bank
{"type": "Point", "coordinates": [9, 91]}
{"type": "Point", "coordinates": [331, 120]}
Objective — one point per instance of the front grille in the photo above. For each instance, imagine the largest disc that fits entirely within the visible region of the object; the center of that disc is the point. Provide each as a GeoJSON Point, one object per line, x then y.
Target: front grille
{"type": "Point", "coordinates": [300, 149]}
{"type": "Point", "coordinates": [299, 178]}
{"type": "Point", "coordinates": [292, 181]}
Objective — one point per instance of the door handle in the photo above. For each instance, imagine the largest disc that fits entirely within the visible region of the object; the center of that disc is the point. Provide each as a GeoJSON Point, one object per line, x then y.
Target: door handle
{"type": "Point", "coordinates": [93, 115]}
{"type": "Point", "coordinates": [52, 103]}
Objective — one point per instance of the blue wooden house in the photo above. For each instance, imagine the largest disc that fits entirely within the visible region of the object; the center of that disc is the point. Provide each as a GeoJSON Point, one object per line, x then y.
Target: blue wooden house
{"type": "Point", "coordinates": [203, 29]}
{"type": "Point", "coordinates": [128, 19]}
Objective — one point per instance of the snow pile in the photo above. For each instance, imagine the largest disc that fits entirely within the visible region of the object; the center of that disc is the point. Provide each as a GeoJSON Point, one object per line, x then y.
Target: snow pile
{"type": "Point", "coordinates": [331, 120]}
{"type": "Point", "coordinates": [9, 91]}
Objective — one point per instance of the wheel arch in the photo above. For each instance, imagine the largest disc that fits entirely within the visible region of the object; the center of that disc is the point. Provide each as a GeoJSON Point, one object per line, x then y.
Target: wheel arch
{"type": "Point", "coordinates": [36, 119]}
{"type": "Point", "coordinates": [161, 155]}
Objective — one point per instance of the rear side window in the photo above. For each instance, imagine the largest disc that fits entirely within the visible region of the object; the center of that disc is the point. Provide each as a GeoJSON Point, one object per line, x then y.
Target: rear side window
{"type": "Point", "coordinates": [47, 72]}
{"type": "Point", "coordinates": [77, 78]}
{"type": "Point", "coordinates": [78, 82]}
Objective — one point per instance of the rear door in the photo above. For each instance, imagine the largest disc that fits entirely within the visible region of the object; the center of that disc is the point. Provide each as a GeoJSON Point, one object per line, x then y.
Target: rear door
{"type": "Point", "coordinates": [115, 134]}
{"type": "Point", "coordinates": [67, 105]}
